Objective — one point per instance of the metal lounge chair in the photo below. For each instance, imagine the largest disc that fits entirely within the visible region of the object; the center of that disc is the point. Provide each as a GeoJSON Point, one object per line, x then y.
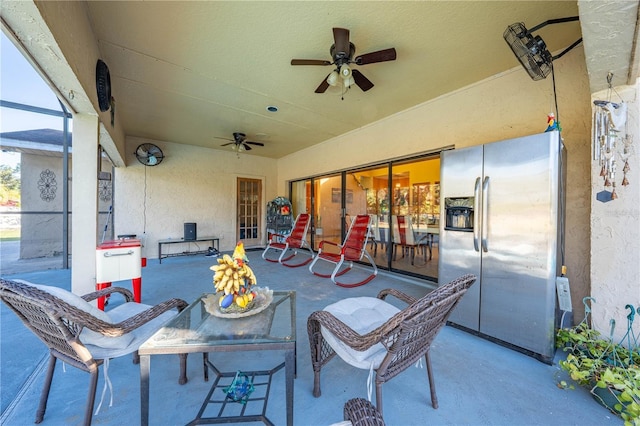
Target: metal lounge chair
{"type": "Point", "coordinates": [352, 250]}
{"type": "Point", "coordinates": [295, 241]}
{"type": "Point", "coordinates": [369, 333]}
{"type": "Point", "coordinates": [81, 335]}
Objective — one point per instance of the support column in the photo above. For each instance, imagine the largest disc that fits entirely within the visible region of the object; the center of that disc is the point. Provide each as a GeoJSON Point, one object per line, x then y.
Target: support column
{"type": "Point", "coordinates": [84, 207]}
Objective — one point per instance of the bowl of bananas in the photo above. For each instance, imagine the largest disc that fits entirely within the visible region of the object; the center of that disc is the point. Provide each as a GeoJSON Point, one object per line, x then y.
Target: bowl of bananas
{"type": "Point", "coordinates": [236, 287]}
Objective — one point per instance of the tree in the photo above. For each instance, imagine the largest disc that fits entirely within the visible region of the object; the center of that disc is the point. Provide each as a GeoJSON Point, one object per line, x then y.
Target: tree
{"type": "Point", "coordinates": [8, 177]}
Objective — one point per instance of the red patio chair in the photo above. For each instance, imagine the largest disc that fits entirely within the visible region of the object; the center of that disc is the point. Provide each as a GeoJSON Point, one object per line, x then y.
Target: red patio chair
{"type": "Point", "coordinates": [297, 240]}
{"type": "Point", "coordinates": [352, 250]}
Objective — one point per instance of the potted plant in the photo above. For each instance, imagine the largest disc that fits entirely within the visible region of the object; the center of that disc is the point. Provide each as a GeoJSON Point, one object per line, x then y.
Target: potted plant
{"type": "Point", "coordinates": [611, 371]}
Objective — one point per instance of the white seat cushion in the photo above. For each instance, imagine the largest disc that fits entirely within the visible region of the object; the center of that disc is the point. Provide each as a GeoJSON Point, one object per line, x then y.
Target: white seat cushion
{"type": "Point", "coordinates": [362, 315]}
{"type": "Point", "coordinates": [104, 348]}
{"type": "Point", "coordinates": [89, 337]}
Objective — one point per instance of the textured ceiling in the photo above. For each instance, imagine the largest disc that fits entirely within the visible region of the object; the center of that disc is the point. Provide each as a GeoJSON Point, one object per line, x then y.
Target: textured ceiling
{"type": "Point", "coordinates": [188, 72]}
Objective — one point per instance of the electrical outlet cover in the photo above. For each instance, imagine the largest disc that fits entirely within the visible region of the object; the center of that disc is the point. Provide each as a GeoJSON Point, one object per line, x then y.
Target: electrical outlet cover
{"type": "Point", "coordinates": [564, 293]}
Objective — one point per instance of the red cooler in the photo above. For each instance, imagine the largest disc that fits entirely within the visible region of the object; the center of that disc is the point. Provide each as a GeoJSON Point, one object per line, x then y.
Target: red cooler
{"type": "Point", "coordinates": [119, 260]}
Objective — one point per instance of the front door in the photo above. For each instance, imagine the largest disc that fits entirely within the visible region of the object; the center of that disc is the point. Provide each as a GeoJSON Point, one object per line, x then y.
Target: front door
{"type": "Point", "coordinates": [249, 218]}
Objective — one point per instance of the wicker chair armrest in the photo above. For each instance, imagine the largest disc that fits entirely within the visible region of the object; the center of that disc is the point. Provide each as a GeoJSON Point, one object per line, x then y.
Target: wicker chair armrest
{"type": "Point", "coordinates": [128, 296]}
{"type": "Point", "coordinates": [361, 412]}
{"type": "Point", "coordinates": [130, 324]}
{"type": "Point", "coordinates": [396, 293]}
{"type": "Point", "coordinates": [343, 332]}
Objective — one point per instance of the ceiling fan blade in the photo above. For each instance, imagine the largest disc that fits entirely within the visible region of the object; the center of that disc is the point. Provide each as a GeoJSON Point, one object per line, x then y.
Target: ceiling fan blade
{"type": "Point", "coordinates": [309, 62]}
{"type": "Point", "coordinates": [379, 56]}
{"type": "Point", "coordinates": [362, 81]}
{"type": "Point", "coordinates": [323, 86]}
{"type": "Point", "coordinates": [341, 38]}
{"type": "Point", "coordinates": [227, 144]}
{"type": "Point", "coordinates": [255, 143]}
{"type": "Point", "coordinates": [224, 139]}
{"type": "Point", "coordinates": [246, 147]}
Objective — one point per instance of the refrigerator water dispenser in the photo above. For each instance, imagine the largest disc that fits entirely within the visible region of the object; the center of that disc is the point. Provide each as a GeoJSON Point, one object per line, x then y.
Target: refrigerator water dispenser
{"type": "Point", "coordinates": [459, 214]}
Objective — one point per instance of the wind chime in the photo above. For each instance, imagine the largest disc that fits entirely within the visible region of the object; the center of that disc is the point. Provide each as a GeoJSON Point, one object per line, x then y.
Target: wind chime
{"type": "Point", "coordinates": [610, 139]}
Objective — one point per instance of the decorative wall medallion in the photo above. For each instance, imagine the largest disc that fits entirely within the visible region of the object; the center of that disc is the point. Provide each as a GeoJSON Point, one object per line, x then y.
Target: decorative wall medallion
{"type": "Point", "coordinates": [47, 185]}
{"type": "Point", "coordinates": [104, 190]}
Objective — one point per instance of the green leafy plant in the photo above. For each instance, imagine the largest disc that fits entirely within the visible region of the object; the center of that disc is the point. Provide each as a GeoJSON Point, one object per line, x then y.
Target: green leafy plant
{"type": "Point", "coordinates": [610, 370]}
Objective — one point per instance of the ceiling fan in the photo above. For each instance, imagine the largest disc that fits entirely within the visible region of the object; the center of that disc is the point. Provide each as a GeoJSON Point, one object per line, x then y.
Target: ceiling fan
{"type": "Point", "coordinates": [342, 52]}
{"type": "Point", "coordinates": [239, 142]}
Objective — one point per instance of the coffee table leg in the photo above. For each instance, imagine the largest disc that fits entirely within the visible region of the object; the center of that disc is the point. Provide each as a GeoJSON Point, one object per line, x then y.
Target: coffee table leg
{"type": "Point", "coordinates": [289, 367]}
{"type": "Point", "coordinates": [145, 362]}
{"type": "Point", "coordinates": [183, 369]}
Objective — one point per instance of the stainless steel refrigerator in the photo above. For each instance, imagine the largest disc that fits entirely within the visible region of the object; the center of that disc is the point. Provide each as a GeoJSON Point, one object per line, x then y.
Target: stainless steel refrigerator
{"type": "Point", "coordinates": [502, 208]}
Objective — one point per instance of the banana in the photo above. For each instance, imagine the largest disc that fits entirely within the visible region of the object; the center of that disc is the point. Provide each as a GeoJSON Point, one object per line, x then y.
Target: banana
{"type": "Point", "coordinates": [229, 287]}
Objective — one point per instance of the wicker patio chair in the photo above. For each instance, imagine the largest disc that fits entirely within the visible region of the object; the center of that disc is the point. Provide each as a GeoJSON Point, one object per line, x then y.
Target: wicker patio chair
{"type": "Point", "coordinates": [81, 335]}
{"type": "Point", "coordinates": [361, 412]}
{"type": "Point", "coordinates": [369, 333]}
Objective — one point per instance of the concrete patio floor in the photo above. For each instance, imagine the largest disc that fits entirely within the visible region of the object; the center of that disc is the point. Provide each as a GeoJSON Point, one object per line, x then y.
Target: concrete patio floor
{"type": "Point", "coordinates": [478, 382]}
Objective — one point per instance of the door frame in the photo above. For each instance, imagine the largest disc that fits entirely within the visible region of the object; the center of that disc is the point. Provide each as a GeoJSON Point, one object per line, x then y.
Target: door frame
{"type": "Point", "coordinates": [260, 240]}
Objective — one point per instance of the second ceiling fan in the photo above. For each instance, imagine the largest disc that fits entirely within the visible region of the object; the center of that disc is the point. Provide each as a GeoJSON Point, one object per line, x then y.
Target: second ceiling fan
{"type": "Point", "coordinates": [342, 52]}
{"type": "Point", "coordinates": [240, 142]}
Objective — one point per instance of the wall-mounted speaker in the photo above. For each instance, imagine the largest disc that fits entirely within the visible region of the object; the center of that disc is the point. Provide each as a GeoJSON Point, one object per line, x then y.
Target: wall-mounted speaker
{"type": "Point", "coordinates": [190, 231]}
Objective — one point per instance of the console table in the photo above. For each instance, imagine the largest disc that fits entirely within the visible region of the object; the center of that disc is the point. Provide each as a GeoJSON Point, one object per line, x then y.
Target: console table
{"type": "Point", "coordinates": [215, 243]}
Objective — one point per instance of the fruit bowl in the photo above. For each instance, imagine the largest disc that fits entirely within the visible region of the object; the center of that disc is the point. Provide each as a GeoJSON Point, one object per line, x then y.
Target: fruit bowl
{"type": "Point", "coordinates": [262, 300]}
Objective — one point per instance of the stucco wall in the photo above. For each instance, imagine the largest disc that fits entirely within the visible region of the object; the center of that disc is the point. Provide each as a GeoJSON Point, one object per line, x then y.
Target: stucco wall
{"type": "Point", "coordinates": [192, 184]}
{"type": "Point", "coordinates": [504, 106]}
{"type": "Point", "coordinates": [615, 229]}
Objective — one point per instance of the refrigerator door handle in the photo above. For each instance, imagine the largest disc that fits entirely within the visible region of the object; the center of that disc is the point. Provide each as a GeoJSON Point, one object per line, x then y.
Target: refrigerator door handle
{"type": "Point", "coordinates": [485, 214]}
{"type": "Point", "coordinates": [476, 217]}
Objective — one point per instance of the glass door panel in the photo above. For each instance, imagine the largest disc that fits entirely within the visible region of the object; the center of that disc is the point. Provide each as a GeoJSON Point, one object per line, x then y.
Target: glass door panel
{"type": "Point", "coordinates": [249, 203]}
{"type": "Point", "coordinates": [371, 196]}
{"type": "Point", "coordinates": [328, 209]}
{"type": "Point", "coordinates": [415, 211]}
{"type": "Point", "coordinates": [301, 202]}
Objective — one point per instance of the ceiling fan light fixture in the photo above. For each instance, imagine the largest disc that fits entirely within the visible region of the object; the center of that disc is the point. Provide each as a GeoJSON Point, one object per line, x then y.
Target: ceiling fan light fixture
{"type": "Point", "coordinates": [332, 79]}
{"type": "Point", "coordinates": [345, 71]}
{"type": "Point", "coordinates": [348, 82]}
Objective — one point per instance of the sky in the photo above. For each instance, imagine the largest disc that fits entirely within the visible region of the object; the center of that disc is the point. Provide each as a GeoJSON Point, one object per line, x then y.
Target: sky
{"type": "Point", "coordinates": [19, 82]}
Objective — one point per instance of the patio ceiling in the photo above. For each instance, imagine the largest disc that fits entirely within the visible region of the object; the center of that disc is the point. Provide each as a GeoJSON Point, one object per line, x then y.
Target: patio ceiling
{"type": "Point", "coordinates": [188, 72]}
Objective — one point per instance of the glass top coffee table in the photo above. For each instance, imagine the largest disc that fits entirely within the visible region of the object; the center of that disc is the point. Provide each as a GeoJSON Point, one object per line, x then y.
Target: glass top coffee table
{"type": "Point", "coordinates": [195, 330]}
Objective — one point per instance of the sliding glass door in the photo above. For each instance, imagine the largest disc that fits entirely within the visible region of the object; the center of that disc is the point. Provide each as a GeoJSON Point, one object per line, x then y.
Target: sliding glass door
{"type": "Point", "coordinates": [400, 191]}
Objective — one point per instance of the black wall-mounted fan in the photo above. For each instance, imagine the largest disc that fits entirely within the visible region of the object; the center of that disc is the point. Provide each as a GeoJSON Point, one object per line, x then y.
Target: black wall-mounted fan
{"type": "Point", "coordinates": [240, 142]}
{"type": "Point", "coordinates": [149, 154]}
{"type": "Point", "coordinates": [103, 85]}
{"type": "Point", "coordinates": [342, 52]}
{"type": "Point", "coordinates": [531, 50]}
